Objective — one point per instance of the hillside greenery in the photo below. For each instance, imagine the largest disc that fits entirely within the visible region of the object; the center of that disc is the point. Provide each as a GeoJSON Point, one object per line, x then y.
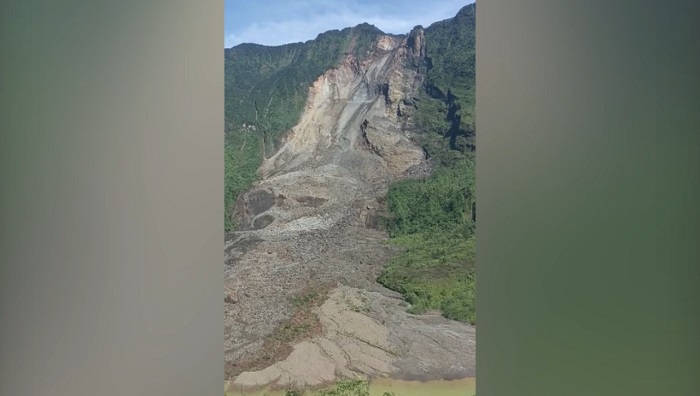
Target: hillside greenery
{"type": "Point", "coordinates": [434, 219]}
{"type": "Point", "coordinates": [349, 387]}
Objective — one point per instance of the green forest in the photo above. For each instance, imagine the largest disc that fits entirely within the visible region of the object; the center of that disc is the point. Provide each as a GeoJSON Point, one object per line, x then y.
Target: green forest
{"type": "Point", "coordinates": [432, 219]}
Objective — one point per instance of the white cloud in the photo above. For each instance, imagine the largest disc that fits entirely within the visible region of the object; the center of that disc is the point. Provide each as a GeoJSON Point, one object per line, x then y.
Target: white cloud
{"type": "Point", "coordinates": [304, 21]}
{"type": "Point", "coordinates": [231, 39]}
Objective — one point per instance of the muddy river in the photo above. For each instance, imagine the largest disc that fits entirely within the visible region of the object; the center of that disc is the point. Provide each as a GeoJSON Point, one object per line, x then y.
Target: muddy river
{"type": "Point", "coordinates": [462, 387]}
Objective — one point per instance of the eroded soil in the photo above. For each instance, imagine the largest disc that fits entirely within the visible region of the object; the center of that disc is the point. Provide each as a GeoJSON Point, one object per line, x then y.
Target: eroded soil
{"type": "Point", "coordinates": [315, 223]}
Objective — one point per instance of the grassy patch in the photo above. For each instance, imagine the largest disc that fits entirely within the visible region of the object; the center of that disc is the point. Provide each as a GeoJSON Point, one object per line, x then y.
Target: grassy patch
{"type": "Point", "coordinates": [355, 387]}
{"type": "Point", "coordinates": [242, 156]}
{"type": "Point", "coordinates": [363, 307]}
{"type": "Point", "coordinates": [309, 299]}
{"type": "Point", "coordinates": [347, 388]}
{"type": "Point", "coordinates": [303, 324]}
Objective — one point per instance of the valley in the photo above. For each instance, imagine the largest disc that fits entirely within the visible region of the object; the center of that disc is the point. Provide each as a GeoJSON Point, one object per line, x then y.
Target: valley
{"type": "Point", "coordinates": [320, 208]}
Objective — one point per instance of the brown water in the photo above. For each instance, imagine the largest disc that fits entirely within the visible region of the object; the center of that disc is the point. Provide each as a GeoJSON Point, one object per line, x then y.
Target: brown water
{"type": "Point", "coordinates": [462, 387]}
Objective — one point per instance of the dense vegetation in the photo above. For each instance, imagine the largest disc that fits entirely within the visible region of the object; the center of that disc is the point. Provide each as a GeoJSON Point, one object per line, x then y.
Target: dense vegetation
{"type": "Point", "coordinates": [433, 219]}
{"type": "Point", "coordinates": [356, 387]}
{"type": "Point", "coordinates": [265, 91]}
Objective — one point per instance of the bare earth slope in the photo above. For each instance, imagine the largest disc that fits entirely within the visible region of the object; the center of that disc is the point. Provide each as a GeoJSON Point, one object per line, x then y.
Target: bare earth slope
{"type": "Point", "coordinates": [315, 219]}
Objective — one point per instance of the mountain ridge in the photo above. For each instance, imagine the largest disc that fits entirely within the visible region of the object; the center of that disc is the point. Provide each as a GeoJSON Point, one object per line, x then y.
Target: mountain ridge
{"type": "Point", "coordinates": [363, 25]}
{"type": "Point", "coordinates": [461, 13]}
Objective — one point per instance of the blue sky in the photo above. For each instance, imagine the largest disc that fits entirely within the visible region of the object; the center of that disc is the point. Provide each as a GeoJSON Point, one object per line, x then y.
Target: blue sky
{"type": "Point", "coordinates": [275, 22]}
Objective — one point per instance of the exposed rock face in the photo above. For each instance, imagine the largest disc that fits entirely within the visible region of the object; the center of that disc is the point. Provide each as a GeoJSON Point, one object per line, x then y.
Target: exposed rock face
{"type": "Point", "coordinates": [317, 216]}
{"type": "Point", "coordinates": [350, 141]}
{"type": "Point", "coordinates": [250, 209]}
{"type": "Point", "coordinates": [416, 46]}
{"type": "Point", "coordinates": [338, 103]}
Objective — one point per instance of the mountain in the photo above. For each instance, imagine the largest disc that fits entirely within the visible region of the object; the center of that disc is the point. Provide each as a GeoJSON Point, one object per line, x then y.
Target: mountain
{"type": "Point", "coordinates": [266, 88]}
{"type": "Point", "coordinates": [333, 147]}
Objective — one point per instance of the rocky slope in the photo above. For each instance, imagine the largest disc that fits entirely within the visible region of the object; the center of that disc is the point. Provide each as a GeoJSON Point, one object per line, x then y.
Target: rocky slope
{"type": "Point", "coordinates": [314, 222]}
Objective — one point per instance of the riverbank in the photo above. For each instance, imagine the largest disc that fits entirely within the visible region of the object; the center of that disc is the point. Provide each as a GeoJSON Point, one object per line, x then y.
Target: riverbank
{"type": "Point", "coordinates": [460, 387]}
